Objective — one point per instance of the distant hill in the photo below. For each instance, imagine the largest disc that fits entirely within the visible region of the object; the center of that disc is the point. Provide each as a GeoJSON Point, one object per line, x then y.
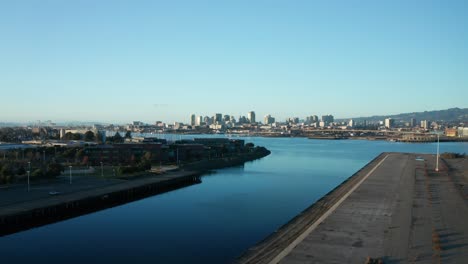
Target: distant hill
{"type": "Point", "coordinates": [452, 114]}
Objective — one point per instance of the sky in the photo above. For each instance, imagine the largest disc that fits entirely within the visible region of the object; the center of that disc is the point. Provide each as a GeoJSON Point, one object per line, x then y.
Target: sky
{"type": "Point", "coordinates": [118, 61]}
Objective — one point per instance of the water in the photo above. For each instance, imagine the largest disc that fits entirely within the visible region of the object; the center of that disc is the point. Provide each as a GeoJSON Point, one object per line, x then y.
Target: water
{"type": "Point", "coordinates": [212, 222]}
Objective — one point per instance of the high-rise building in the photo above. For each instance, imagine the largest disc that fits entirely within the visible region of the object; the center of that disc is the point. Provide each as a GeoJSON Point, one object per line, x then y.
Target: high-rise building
{"type": "Point", "coordinates": [311, 119]}
{"type": "Point", "coordinates": [199, 121]}
{"type": "Point", "coordinates": [327, 119]}
{"type": "Point", "coordinates": [233, 119]}
{"type": "Point", "coordinates": [424, 124]}
{"type": "Point", "coordinates": [192, 119]}
{"type": "Point", "coordinates": [242, 120]}
{"type": "Point", "coordinates": [389, 122]}
{"type": "Point", "coordinates": [208, 121]}
{"type": "Point", "coordinates": [217, 118]}
{"type": "Point", "coordinates": [351, 123]}
{"type": "Point", "coordinates": [268, 120]}
{"type": "Point", "coordinates": [251, 116]}
{"type": "Point", "coordinates": [412, 122]}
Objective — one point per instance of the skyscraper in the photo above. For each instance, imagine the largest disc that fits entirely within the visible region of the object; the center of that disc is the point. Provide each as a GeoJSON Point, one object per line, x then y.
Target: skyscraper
{"type": "Point", "coordinates": [251, 116]}
{"type": "Point", "coordinates": [389, 122]}
{"type": "Point", "coordinates": [425, 124]}
{"type": "Point", "coordinates": [327, 119]}
{"type": "Point", "coordinates": [217, 118]}
{"type": "Point", "coordinates": [192, 119]}
{"type": "Point", "coordinates": [268, 120]}
{"type": "Point", "coordinates": [199, 121]}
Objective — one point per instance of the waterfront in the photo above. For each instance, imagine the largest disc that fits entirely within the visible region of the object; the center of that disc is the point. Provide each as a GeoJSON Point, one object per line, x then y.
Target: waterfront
{"type": "Point", "coordinates": [213, 222]}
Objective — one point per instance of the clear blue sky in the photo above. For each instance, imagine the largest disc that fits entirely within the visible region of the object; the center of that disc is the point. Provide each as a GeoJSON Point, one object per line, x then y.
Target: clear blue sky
{"type": "Point", "coordinates": [119, 61]}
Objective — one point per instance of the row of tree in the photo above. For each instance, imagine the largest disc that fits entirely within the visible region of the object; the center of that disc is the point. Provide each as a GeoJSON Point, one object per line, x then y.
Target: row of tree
{"type": "Point", "coordinates": [11, 171]}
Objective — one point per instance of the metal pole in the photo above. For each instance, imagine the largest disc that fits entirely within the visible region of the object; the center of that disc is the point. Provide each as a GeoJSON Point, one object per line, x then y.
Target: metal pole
{"type": "Point", "coordinates": [437, 157]}
{"type": "Point", "coordinates": [28, 181]}
{"type": "Point", "coordinates": [70, 174]}
{"type": "Point", "coordinates": [43, 154]}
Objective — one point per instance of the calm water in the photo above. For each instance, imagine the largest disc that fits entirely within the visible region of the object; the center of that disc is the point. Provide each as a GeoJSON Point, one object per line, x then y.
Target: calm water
{"type": "Point", "coordinates": [212, 222]}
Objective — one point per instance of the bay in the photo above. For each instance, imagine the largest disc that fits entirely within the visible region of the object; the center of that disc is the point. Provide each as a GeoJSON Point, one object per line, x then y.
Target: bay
{"type": "Point", "coordinates": [212, 222]}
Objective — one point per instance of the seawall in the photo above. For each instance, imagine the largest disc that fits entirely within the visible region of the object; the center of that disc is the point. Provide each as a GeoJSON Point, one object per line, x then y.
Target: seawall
{"type": "Point", "coordinates": [40, 212]}
{"type": "Point", "coordinates": [29, 214]}
{"type": "Point", "coordinates": [266, 250]}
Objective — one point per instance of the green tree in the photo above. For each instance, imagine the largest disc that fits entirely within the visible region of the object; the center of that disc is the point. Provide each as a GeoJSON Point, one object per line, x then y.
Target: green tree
{"type": "Point", "coordinates": [68, 136]}
{"type": "Point", "coordinates": [89, 136]}
{"type": "Point", "coordinates": [118, 138]}
{"type": "Point", "coordinates": [146, 156]}
{"type": "Point", "coordinates": [7, 170]}
{"type": "Point", "coordinates": [54, 170]}
{"type": "Point", "coordinates": [37, 173]}
{"type": "Point", "coordinates": [128, 134]}
{"type": "Point", "coordinates": [144, 165]}
{"type": "Point", "coordinates": [99, 137]}
{"type": "Point", "coordinates": [80, 154]}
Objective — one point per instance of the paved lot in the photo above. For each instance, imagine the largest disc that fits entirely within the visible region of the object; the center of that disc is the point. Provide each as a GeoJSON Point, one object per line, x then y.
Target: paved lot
{"type": "Point", "coordinates": [404, 212]}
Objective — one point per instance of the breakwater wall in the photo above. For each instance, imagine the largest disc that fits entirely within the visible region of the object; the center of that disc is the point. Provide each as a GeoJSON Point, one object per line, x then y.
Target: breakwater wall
{"type": "Point", "coordinates": [268, 249]}
{"type": "Point", "coordinates": [31, 214]}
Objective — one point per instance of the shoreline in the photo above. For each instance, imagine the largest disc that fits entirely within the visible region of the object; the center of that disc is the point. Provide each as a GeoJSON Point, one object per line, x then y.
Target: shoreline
{"type": "Point", "coordinates": [25, 215]}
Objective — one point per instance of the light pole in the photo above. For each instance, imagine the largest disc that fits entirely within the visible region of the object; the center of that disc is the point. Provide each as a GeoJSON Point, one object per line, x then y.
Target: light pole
{"type": "Point", "coordinates": [43, 156]}
{"type": "Point", "coordinates": [28, 180]}
{"type": "Point", "coordinates": [437, 157]}
{"type": "Point", "coordinates": [102, 170]}
{"type": "Point", "coordinates": [70, 173]}
{"type": "Point", "coordinates": [29, 164]}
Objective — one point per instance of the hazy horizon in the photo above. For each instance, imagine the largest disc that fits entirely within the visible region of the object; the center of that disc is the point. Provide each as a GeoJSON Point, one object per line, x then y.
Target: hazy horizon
{"type": "Point", "coordinates": [119, 61]}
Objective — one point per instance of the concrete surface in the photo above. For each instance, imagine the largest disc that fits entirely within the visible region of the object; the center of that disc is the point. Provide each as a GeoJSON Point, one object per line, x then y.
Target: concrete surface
{"type": "Point", "coordinates": [405, 212]}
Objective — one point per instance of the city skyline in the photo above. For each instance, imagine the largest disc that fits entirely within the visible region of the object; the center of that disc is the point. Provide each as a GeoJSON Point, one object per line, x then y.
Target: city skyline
{"type": "Point", "coordinates": [119, 61]}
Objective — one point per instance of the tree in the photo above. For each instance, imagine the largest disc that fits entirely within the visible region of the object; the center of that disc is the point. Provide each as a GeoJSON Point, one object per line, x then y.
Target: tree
{"type": "Point", "coordinates": [128, 134]}
{"type": "Point", "coordinates": [99, 137]}
{"type": "Point", "coordinates": [89, 136]}
{"type": "Point", "coordinates": [146, 156]}
{"type": "Point", "coordinates": [118, 138]}
{"type": "Point", "coordinates": [80, 154]}
{"type": "Point", "coordinates": [144, 165]}
{"type": "Point", "coordinates": [54, 170]}
{"type": "Point", "coordinates": [7, 170]}
{"type": "Point", "coordinates": [68, 136]}
{"type": "Point", "coordinates": [38, 173]}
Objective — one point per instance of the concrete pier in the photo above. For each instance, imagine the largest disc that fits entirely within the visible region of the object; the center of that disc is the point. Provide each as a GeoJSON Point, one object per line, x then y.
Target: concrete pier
{"type": "Point", "coordinates": [24, 214]}
{"type": "Point", "coordinates": [397, 209]}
